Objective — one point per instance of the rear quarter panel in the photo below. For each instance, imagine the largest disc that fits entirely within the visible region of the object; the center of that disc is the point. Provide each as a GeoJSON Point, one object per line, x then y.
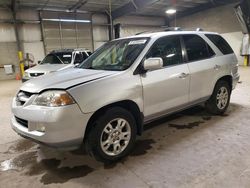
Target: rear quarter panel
{"type": "Point", "coordinates": [227, 63]}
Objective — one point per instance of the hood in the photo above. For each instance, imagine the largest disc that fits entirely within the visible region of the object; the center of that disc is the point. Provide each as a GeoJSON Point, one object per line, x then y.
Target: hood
{"type": "Point", "coordinates": [47, 68]}
{"type": "Point", "coordinates": [64, 79]}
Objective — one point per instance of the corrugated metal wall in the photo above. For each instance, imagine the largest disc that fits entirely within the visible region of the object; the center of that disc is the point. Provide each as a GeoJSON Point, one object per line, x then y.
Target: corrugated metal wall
{"type": "Point", "coordinates": [59, 35]}
{"type": "Point", "coordinates": [222, 20]}
{"type": "Point", "coordinates": [8, 47]}
{"type": "Point", "coordinates": [30, 34]}
{"type": "Point", "coordinates": [8, 56]}
{"type": "Point", "coordinates": [131, 25]}
{"type": "Point", "coordinates": [100, 30]}
{"type": "Point", "coordinates": [74, 35]}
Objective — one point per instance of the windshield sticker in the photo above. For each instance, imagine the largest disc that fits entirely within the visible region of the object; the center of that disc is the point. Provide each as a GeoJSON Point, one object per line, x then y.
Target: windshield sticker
{"type": "Point", "coordinates": [136, 42]}
{"type": "Point", "coordinates": [66, 55]}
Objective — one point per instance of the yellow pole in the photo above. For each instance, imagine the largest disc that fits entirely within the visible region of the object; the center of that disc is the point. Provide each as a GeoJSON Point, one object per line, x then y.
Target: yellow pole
{"type": "Point", "coordinates": [20, 56]}
{"type": "Point", "coordinates": [245, 61]}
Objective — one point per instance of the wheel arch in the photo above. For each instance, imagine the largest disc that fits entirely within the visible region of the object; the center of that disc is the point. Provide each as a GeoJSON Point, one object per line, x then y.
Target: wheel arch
{"type": "Point", "coordinates": [211, 104]}
{"type": "Point", "coordinates": [129, 105]}
{"type": "Point", "coordinates": [228, 79]}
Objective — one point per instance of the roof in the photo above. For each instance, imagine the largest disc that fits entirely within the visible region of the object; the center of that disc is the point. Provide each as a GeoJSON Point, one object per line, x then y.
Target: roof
{"type": "Point", "coordinates": [165, 33]}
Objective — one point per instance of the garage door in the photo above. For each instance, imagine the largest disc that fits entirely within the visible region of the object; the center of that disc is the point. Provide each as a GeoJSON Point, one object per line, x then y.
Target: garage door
{"type": "Point", "coordinates": [60, 30]}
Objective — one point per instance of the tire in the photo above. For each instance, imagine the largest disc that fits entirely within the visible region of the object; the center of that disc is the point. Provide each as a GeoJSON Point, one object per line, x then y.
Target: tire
{"type": "Point", "coordinates": [220, 99]}
{"type": "Point", "coordinates": [105, 142]}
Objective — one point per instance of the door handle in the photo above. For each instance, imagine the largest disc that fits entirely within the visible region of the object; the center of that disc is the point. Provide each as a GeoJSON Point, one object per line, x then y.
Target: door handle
{"type": "Point", "coordinates": [216, 67]}
{"type": "Point", "coordinates": [183, 75]}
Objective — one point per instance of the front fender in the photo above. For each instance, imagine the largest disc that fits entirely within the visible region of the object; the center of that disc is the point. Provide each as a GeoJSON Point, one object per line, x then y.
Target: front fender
{"type": "Point", "coordinates": [99, 93]}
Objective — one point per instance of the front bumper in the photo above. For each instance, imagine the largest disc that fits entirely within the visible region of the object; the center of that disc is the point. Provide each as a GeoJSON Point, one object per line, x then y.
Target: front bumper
{"type": "Point", "coordinates": [62, 127]}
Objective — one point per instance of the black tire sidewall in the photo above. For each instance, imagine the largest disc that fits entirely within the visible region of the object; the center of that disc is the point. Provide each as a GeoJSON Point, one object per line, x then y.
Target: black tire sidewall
{"type": "Point", "coordinates": [94, 145]}
{"type": "Point", "coordinates": [212, 102]}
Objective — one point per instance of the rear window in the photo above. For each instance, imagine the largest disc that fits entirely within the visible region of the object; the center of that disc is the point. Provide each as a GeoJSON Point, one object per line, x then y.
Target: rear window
{"type": "Point", "coordinates": [220, 43]}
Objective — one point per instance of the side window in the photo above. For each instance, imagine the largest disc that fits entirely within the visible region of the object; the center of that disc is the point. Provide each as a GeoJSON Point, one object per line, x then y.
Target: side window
{"type": "Point", "coordinates": [197, 48]}
{"type": "Point", "coordinates": [220, 43]}
{"type": "Point", "coordinates": [169, 49]}
{"type": "Point", "coordinates": [85, 56]}
{"type": "Point", "coordinates": [78, 58]}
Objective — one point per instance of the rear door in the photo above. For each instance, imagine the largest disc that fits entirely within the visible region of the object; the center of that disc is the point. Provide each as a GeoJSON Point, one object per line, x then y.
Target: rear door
{"type": "Point", "coordinates": [166, 88]}
{"type": "Point", "coordinates": [201, 66]}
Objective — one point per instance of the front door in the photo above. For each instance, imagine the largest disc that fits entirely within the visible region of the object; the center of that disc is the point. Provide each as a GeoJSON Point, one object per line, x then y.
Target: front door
{"type": "Point", "coordinates": [166, 88]}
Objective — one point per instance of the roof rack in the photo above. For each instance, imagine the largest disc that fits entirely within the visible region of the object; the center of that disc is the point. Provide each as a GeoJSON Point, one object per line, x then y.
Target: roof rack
{"type": "Point", "coordinates": [62, 50]}
{"type": "Point", "coordinates": [199, 29]}
{"type": "Point", "coordinates": [170, 29]}
{"type": "Point", "coordinates": [69, 50]}
{"type": "Point", "coordinates": [143, 32]}
{"type": "Point", "coordinates": [161, 30]}
{"type": "Point", "coordinates": [82, 49]}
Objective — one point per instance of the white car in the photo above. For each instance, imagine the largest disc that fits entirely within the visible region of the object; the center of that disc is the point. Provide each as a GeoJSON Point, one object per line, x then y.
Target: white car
{"type": "Point", "coordinates": [57, 60]}
{"type": "Point", "coordinates": [105, 101]}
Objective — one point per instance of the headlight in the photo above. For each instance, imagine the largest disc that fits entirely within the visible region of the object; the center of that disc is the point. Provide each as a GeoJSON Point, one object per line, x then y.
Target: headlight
{"type": "Point", "coordinates": [53, 98]}
{"type": "Point", "coordinates": [26, 74]}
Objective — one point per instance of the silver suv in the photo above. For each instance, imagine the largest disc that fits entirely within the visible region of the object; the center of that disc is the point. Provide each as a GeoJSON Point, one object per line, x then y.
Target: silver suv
{"type": "Point", "coordinates": [57, 60]}
{"type": "Point", "coordinates": [105, 101]}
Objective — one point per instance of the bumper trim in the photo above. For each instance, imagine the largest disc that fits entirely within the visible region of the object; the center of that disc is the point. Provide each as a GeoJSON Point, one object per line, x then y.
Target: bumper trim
{"type": "Point", "coordinates": [235, 81]}
{"type": "Point", "coordinates": [60, 146]}
{"type": "Point", "coordinates": [64, 127]}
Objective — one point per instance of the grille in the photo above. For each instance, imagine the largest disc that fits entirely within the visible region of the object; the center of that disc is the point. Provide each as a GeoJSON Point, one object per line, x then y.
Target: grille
{"type": "Point", "coordinates": [22, 122]}
{"type": "Point", "coordinates": [36, 74]}
{"type": "Point", "coordinates": [22, 97]}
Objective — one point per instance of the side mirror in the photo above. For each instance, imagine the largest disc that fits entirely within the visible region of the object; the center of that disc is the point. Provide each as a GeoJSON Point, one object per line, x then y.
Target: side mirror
{"type": "Point", "coordinates": [153, 63]}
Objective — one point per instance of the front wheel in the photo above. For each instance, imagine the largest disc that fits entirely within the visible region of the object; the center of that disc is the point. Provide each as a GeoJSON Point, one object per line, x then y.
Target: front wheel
{"type": "Point", "coordinates": [112, 136]}
{"type": "Point", "coordinates": [220, 99]}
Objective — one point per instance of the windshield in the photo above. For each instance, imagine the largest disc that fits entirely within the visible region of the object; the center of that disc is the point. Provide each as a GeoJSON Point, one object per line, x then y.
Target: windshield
{"type": "Point", "coordinates": [116, 55]}
{"type": "Point", "coordinates": [58, 58]}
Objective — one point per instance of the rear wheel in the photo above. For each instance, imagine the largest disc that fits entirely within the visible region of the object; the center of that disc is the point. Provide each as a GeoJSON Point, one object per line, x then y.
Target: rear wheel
{"type": "Point", "coordinates": [112, 136]}
{"type": "Point", "coordinates": [220, 99]}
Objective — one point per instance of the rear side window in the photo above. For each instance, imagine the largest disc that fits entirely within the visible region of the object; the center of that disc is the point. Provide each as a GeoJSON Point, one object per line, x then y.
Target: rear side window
{"type": "Point", "coordinates": [197, 48]}
{"type": "Point", "coordinates": [220, 43]}
{"type": "Point", "coordinates": [85, 55]}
